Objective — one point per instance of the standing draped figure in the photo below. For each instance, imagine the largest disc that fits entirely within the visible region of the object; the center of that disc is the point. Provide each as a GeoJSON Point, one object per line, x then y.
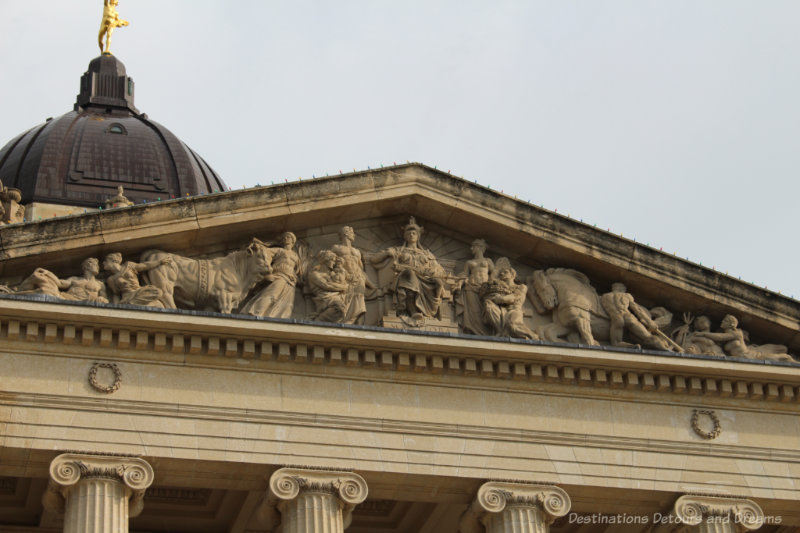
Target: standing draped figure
{"type": "Point", "coordinates": [477, 271]}
{"type": "Point", "coordinates": [276, 300]}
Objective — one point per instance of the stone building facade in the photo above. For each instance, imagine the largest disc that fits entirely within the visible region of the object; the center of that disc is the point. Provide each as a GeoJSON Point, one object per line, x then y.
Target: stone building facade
{"type": "Point", "coordinates": [395, 350]}
{"type": "Point", "coordinates": [456, 360]}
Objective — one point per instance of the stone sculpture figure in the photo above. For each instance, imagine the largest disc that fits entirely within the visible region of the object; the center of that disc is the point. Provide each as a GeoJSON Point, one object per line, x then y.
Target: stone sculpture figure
{"type": "Point", "coordinates": [108, 24]}
{"type": "Point", "coordinates": [356, 278]}
{"type": "Point", "coordinates": [418, 283]}
{"type": "Point", "coordinates": [327, 282]}
{"type": "Point", "coordinates": [735, 342]}
{"type": "Point", "coordinates": [575, 306]}
{"type": "Point", "coordinates": [476, 272]}
{"type": "Point", "coordinates": [218, 284]}
{"type": "Point", "coordinates": [85, 288]}
{"type": "Point", "coordinates": [41, 281]}
{"type": "Point", "coordinates": [123, 281]}
{"type": "Point", "coordinates": [691, 336]}
{"type": "Point", "coordinates": [276, 300]}
{"type": "Point", "coordinates": [626, 314]}
{"type": "Point", "coordinates": [11, 211]}
{"type": "Point", "coordinates": [502, 306]}
{"type": "Point", "coordinates": [118, 200]}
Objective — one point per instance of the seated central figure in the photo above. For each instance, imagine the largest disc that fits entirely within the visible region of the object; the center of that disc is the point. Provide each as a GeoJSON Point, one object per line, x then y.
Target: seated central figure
{"type": "Point", "coordinates": [418, 282]}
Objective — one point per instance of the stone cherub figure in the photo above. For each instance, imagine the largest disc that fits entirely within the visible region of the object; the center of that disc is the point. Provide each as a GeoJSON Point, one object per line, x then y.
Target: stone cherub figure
{"type": "Point", "coordinates": [276, 300]}
{"type": "Point", "coordinates": [108, 24]}
{"type": "Point", "coordinates": [735, 342]}
{"type": "Point", "coordinates": [123, 281]}
{"type": "Point", "coordinates": [418, 283]}
{"type": "Point", "coordinates": [502, 305]}
{"type": "Point", "coordinates": [626, 314]}
{"type": "Point", "coordinates": [475, 273]}
{"type": "Point", "coordinates": [356, 278]}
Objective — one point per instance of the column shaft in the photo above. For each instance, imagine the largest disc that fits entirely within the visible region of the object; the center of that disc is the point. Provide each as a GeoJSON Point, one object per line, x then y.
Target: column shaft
{"type": "Point", "coordinates": [710, 525]}
{"type": "Point", "coordinates": [312, 512]}
{"type": "Point", "coordinates": [97, 505]}
{"type": "Point", "coordinates": [517, 519]}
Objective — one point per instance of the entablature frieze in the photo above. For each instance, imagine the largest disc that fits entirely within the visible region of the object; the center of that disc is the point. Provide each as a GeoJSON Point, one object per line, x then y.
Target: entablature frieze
{"type": "Point", "coordinates": [176, 337]}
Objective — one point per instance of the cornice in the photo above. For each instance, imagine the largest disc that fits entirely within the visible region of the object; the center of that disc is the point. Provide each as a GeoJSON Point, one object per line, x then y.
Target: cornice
{"type": "Point", "coordinates": [206, 339]}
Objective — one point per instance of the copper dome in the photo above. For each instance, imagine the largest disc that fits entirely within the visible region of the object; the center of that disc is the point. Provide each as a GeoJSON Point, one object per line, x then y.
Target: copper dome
{"type": "Point", "coordinates": [81, 157]}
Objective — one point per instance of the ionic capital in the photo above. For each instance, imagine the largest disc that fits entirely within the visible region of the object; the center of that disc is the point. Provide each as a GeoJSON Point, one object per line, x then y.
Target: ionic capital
{"type": "Point", "coordinates": [741, 513]}
{"type": "Point", "coordinates": [496, 497]}
{"type": "Point", "coordinates": [287, 484]}
{"type": "Point", "coordinates": [68, 469]}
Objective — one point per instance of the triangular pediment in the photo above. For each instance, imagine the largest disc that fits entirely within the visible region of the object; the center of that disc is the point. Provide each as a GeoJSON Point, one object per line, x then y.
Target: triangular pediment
{"type": "Point", "coordinates": [565, 266]}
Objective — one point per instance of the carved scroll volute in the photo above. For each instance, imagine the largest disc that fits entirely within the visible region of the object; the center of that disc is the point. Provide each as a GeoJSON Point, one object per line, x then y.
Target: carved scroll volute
{"type": "Point", "coordinates": [286, 484]}
{"type": "Point", "coordinates": [745, 514]}
{"type": "Point", "coordinates": [68, 469]}
{"type": "Point", "coordinates": [495, 497]}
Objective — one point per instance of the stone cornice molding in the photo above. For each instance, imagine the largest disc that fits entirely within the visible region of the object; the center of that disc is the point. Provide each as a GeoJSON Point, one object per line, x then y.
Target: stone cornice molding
{"type": "Point", "coordinates": [68, 469]}
{"type": "Point", "coordinates": [744, 514]}
{"type": "Point", "coordinates": [46, 327]}
{"type": "Point", "coordinates": [496, 496]}
{"type": "Point", "coordinates": [286, 484]}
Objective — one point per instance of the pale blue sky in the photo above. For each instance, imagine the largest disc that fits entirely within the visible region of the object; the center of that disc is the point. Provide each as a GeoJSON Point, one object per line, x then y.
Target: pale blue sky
{"type": "Point", "coordinates": [676, 123]}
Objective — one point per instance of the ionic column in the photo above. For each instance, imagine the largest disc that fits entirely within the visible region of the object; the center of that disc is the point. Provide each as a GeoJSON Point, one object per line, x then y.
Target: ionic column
{"type": "Point", "coordinates": [312, 501]}
{"type": "Point", "coordinates": [97, 493]}
{"type": "Point", "coordinates": [709, 514]}
{"type": "Point", "coordinates": [514, 508]}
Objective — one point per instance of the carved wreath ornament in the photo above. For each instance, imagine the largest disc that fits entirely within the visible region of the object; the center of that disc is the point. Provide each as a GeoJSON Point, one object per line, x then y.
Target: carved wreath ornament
{"type": "Point", "coordinates": [714, 433]}
{"type": "Point", "coordinates": [106, 389]}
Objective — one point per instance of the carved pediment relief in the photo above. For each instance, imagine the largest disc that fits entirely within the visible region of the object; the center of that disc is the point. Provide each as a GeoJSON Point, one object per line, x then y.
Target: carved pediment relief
{"type": "Point", "coordinates": [404, 272]}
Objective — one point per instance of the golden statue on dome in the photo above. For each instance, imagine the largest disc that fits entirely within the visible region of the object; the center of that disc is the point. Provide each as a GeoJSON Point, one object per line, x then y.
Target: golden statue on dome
{"type": "Point", "coordinates": [110, 22]}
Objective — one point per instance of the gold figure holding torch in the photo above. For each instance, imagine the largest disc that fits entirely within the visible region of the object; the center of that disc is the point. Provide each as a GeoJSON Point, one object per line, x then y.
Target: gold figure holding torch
{"type": "Point", "coordinates": [110, 22]}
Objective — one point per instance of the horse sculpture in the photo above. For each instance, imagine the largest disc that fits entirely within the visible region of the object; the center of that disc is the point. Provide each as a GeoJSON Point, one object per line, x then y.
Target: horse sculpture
{"type": "Point", "coordinates": [575, 306]}
{"type": "Point", "coordinates": [218, 284]}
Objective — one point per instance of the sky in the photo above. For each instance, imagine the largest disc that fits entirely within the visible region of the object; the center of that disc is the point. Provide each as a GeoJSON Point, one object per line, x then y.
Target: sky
{"type": "Point", "coordinates": [675, 123]}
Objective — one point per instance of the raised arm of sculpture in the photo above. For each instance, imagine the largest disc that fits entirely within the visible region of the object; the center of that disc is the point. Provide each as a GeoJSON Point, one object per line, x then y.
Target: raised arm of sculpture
{"type": "Point", "coordinates": [276, 300]}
